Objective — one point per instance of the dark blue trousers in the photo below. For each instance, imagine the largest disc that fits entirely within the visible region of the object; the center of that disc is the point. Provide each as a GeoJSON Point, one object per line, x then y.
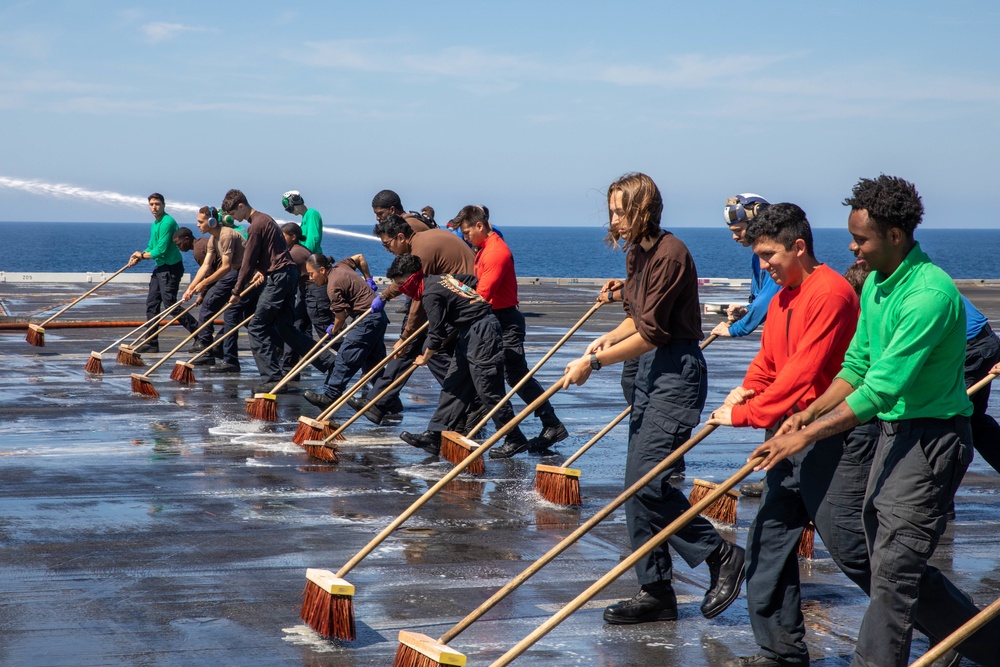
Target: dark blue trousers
{"type": "Point", "coordinates": [215, 298]}
{"type": "Point", "coordinates": [515, 366]}
{"type": "Point", "coordinates": [163, 285]}
{"type": "Point", "coordinates": [361, 349]}
{"type": "Point", "coordinates": [981, 354]}
{"type": "Point", "coordinates": [438, 366]}
{"type": "Point", "coordinates": [670, 388]}
{"type": "Point", "coordinates": [317, 305]}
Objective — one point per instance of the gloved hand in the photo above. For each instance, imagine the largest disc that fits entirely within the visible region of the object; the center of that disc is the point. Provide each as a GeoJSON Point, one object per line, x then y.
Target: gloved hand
{"type": "Point", "coordinates": [378, 304]}
{"type": "Point", "coordinates": [329, 330]}
{"type": "Point", "coordinates": [371, 283]}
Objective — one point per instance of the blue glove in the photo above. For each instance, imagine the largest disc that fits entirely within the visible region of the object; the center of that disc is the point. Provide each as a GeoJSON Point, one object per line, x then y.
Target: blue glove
{"type": "Point", "coordinates": [378, 304]}
{"type": "Point", "coordinates": [371, 283]}
{"type": "Point", "coordinates": [329, 330]}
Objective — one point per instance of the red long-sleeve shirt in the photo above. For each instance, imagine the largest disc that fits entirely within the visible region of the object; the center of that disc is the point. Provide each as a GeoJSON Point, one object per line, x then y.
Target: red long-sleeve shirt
{"type": "Point", "coordinates": [806, 334]}
{"type": "Point", "coordinates": [495, 272]}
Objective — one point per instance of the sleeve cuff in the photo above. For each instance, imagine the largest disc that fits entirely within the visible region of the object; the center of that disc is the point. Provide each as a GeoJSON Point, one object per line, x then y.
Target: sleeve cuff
{"type": "Point", "coordinates": [861, 406]}
{"type": "Point", "coordinates": [850, 377]}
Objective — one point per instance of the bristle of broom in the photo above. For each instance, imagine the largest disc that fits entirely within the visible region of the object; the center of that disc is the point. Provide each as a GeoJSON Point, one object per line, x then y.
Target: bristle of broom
{"type": "Point", "coordinates": [35, 335]}
{"type": "Point", "coordinates": [723, 509]}
{"type": "Point", "coordinates": [314, 429]}
{"type": "Point", "coordinates": [129, 357]}
{"type": "Point", "coordinates": [417, 650]}
{"type": "Point", "coordinates": [318, 450]}
{"type": "Point", "coordinates": [807, 543]}
{"type": "Point", "coordinates": [327, 605]}
{"type": "Point", "coordinates": [558, 485]}
{"type": "Point", "coordinates": [142, 385]}
{"type": "Point", "coordinates": [455, 447]}
{"type": "Point", "coordinates": [264, 407]}
{"type": "Point", "coordinates": [183, 373]}
{"type": "Point", "coordinates": [94, 365]}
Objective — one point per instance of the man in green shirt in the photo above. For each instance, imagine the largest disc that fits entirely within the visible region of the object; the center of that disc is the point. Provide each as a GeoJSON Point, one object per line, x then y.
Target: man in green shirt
{"type": "Point", "coordinates": [905, 365]}
{"type": "Point", "coordinates": [169, 269]}
{"type": "Point", "coordinates": [317, 302]}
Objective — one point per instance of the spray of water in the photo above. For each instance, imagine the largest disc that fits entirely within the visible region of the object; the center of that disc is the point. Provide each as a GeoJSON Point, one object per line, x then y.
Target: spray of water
{"type": "Point", "coordinates": [63, 191]}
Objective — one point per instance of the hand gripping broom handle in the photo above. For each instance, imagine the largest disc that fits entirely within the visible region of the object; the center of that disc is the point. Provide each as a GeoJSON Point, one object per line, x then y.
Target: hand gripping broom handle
{"type": "Point", "coordinates": [573, 537]}
{"type": "Point", "coordinates": [218, 340]}
{"type": "Point", "coordinates": [708, 341]}
{"type": "Point", "coordinates": [319, 348]}
{"type": "Point", "coordinates": [959, 635]}
{"type": "Point", "coordinates": [489, 415]}
{"type": "Point", "coordinates": [452, 474]}
{"type": "Point", "coordinates": [626, 564]}
{"type": "Point", "coordinates": [84, 295]}
{"type": "Point", "coordinates": [140, 327]}
{"type": "Point", "coordinates": [600, 434]}
{"type": "Point", "coordinates": [155, 330]}
{"type": "Point", "coordinates": [192, 335]}
{"type": "Point", "coordinates": [982, 383]}
{"type": "Point", "coordinates": [336, 405]}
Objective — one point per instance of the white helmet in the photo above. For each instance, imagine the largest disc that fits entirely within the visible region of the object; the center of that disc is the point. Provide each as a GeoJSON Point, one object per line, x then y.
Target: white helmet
{"type": "Point", "coordinates": [743, 208]}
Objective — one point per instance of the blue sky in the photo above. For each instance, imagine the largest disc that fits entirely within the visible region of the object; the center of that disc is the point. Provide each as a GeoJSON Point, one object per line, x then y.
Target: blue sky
{"type": "Point", "coordinates": [531, 108]}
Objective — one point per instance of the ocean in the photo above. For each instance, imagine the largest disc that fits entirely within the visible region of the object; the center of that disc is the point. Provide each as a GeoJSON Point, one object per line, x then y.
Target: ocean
{"type": "Point", "coordinates": [538, 251]}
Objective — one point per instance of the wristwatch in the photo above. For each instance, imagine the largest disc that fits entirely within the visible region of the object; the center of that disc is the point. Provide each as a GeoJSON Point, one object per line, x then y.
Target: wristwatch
{"type": "Point", "coordinates": [611, 296]}
{"type": "Point", "coordinates": [595, 363]}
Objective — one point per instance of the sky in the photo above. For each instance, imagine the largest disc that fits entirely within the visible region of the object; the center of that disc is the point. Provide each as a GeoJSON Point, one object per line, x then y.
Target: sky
{"type": "Point", "coordinates": [531, 108]}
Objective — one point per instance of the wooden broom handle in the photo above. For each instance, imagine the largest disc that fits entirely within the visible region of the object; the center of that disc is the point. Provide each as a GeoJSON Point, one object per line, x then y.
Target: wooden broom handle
{"type": "Point", "coordinates": [573, 537]}
{"type": "Point", "coordinates": [319, 348]}
{"type": "Point", "coordinates": [982, 383]}
{"type": "Point", "coordinates": [452, 474]}
{"type": "Point", "coordinates": [708, 341]}
{"type": "Point", "coordinates": [84, 295]}
{"type": "Point", "coordinates": [221, 338]}
{"type": "Point", "coordinates": [959, 635]}
{"type": "Point", "coordinates": [600, 434]}
{"type": "Point", "coordinates": [627, 564]}
{"type": "Point", "coordinates": [139, 328]}
{"type": "Point", "coordinates": [155, 331]}
{"type": "Point", "coordinates": [337, 404]}
{"type": "Point", "coordinates": [548, 355]}
{"type": "Point", "coordinates": [357, 415]}
{"type": "Point", "coordinates": [194, 333]}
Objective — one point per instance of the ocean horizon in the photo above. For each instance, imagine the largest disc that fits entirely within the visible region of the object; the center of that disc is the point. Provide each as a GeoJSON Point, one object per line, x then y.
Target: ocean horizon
{"type": "Point", "coordinates": [546, 252]}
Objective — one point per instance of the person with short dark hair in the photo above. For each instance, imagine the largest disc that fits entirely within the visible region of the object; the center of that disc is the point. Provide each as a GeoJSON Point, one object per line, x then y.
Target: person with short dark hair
{"type": "Point", "coordinates": [497, 283]}
{"type": "Point", "coordinates": [166, 277]}
{"type": "Point", "coordinates": [386, 203]}
{"type": "Point", "coordinates": [475, 369]}
{"type": "Point", "coordinates": [266, 263]}
{"type": "Point", "coordinates": [662, 327]}
{"type": "Point", "coordinates": [904, 366]}
{"type": "Point", "coordinates": [314, 298]}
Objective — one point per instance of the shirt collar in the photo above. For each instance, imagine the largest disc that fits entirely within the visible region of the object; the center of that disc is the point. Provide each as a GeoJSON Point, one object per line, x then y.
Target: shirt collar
{"type": "Point", "coordinates": [914, 258]}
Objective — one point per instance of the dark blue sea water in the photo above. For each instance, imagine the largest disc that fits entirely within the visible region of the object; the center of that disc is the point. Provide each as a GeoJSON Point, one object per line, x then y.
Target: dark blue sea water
{"type": "Point", "coordinates": [538, 251]}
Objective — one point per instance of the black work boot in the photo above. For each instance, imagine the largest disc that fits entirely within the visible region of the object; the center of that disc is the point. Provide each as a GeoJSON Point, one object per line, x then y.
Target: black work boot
{"type": "Point", "coordinates": [726, 567]}
{"type": "Point", "coordinates": [429, 441]}
{"type": "Point", "coordinates": [514, 444]}
{"type": "Point", "coordinates": [549, 436]}
{"type": "Point", "coordinates": [658, 603]}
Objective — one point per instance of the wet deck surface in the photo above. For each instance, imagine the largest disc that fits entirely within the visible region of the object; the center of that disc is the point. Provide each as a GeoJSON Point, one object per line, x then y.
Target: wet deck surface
{"type": "Point", "coordinates": [176, 531]}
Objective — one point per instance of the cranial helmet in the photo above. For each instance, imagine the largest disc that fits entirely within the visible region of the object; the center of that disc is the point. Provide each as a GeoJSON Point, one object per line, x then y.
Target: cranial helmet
{"type": "Point", "coordinates": [743, 208]}
{"type": "Point", "coordinates": [291, 199]}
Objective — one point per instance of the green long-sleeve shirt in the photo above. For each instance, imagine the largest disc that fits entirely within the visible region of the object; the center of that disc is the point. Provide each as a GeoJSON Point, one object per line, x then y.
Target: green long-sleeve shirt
{"type": "Point", "coordinates": [312, 231]}
{"type": "Point", "coordinates": [907, 357]}
{"type": "Point", "coordinates": [161, 245]}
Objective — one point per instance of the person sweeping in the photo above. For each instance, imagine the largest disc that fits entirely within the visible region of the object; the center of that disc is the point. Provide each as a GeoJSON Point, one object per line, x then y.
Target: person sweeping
{"type": "Point", "coordinates": [662, 328]}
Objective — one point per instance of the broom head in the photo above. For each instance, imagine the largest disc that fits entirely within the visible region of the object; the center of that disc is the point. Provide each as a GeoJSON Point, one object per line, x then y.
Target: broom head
{"type": "Point", "coordinates": [315, 429]}
{"type": "Point", "coordinates": [807, 543]}
{"type": "Point", "coordinates": [264, 407]}
{"type": "Point", "coordinates": [318, 449]}
{"type": "Point", "coordinates": [558, 485]}
{"type": "Point", "coordinates": [327, 605]}
{"type": "Point", "coordinates": [142, 385]}
{"type": "Point", "coordinates": [723, 509]}
{"type": "Point", "coordinates": [35, 335]}
{"type": "Point", "coordinates": [248, 405]}
{"type": "Point", "coordinates": [417, 650]}
{"type": "Point", "coordinates": [94, 364]}
{"type": "Point", "coordinates": [127, 356]}
{"type": "Point", "coordinates": [183, 372]}
{"type": "Point", "coordinates": [455, 447]}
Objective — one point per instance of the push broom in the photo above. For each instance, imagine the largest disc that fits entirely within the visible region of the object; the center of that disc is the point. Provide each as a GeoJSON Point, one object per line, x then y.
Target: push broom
{"type": "Point", "coordinates": [127, 355]}
{"type": "Point", "coordinates": [184, 370]}
{"type": "Point", "coordinates": [320, 428]}
{"type": "Point", "coordinates": [968, 629]}
{"type": "Point", "coordinates": [328, 606]}
{"type": "Point", "coordinates": [561, 484]}
{"type": "Point", "coordinates": [415, 647]}
{"type": "Point", "coordinates": [36, 332]}
{"type": "Point", "coordinates": [94, 362]}
{"type": "Point", "coordinates": [455, 447]}
{"type": "Point", "coordinates": [265, 405]}
{"type": "Point", "coordinates": [141, 384]}
{"type": "Point", "coordinates": [614, 573]}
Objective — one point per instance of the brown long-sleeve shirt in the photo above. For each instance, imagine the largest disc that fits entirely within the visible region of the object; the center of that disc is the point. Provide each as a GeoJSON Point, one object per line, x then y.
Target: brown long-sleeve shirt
{"type": "Point", "coordinates": [265, 250]}
{"type": "Point", "coordinates": [661, 291]}
{"type": "Point", "coordinates": [349, 293]}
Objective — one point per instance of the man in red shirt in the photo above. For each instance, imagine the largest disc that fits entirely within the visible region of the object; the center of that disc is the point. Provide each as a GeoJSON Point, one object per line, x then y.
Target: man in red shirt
{"type": "Point", "coordinates": [498, 285]}
{"type": "Point", "coordinates": [810, 323]}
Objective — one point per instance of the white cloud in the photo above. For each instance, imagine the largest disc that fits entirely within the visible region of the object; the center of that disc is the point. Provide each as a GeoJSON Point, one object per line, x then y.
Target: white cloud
{"type": "Point", "coordinates": [161, 31]}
